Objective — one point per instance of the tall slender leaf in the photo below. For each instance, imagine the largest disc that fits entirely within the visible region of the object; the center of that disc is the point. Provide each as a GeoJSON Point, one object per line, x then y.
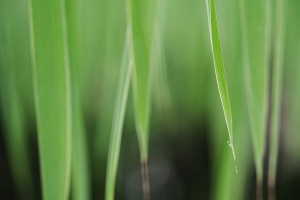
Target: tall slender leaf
{"type": "Point", "coordinates": [255, 27]}
{"type": "Point", "coordinates": [161, 93]}
{"type": "Point", "coordinates": [277, 76]}
{"type": "Point", "coordinates": [14, 61]}
{"type": "Point", "coordinates": [226, 184]}
{"type": "Point", "coordinates": [118, 120]}
{"type": "Point", "coordinates": [141, 84]}
{"type": "Point", "coordinates": [112, 52]}
{"type": "Point", "coordinates": [219, 69]}
{"type": "Point", "coordinates": [52, 87]}
{"type": "Point", "coordinates": [141, 75]}
{"type": "Point", "coordinates": [291, 91]}
{"type": "Point", "coordinates": [80, 162]}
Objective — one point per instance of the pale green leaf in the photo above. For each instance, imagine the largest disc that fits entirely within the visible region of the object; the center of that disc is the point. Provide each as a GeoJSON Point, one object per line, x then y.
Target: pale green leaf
{"type": "Point", "coordinates": [52, 88]}
{"type": "Point", "coordinates": [80, 160]}
{"type": "Point", "coordinates": [141, 75]}
{"type": "Point", "coordinates": [118, 120]}
{"type": "Point", "coordinates": [255, 27]}
{"type": "Point", "coordinates": [276, 93]}
{"type": "Point", "coordinates": [14, 92]}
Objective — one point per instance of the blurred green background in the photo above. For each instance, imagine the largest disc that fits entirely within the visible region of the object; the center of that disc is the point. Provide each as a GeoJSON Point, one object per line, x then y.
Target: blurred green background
{"type": "Point", "coordinates": [189, 157]}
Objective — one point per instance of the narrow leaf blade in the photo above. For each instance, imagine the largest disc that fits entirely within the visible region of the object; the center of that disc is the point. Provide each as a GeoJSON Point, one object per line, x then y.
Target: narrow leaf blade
{"type": "Point", "coordinates": [51, 74]}
{"type": "Point", "coordinates": [141, 75]}
{"type": "Point", "coordinates": [118, 120]}
{"type": "Point", "coordinates": [256, 48]}
{"type": "Point", "coordinates": [276, 93]}
{"type": "Point", "coordinates": [219, 69]}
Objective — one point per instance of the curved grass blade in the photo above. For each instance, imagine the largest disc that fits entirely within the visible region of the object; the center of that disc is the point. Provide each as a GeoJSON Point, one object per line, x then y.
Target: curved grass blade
{"type": "Point", "coordinates": [118, 120]}
{"type": "Point", "coordinates": [219, 69]}
{"type": "Point", "coordinates": [226, 184]}
{"type": "Point", "coordinates": [256, 47]}
{"type": "Point", "coordinates": [141, 85]}
{"type": "Point", "coordinates": [277, 79]}
{"type": "Point", "coordinates": [52, 88]}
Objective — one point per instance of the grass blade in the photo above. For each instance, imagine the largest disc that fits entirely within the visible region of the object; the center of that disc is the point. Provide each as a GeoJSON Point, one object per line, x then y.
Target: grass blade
{"type": "Point", "coordinates": [52, 87]}
{"type": "Point", "coordinates": [225, 182]}
{"type": "Point", "coordinates": [219, 69]}
{"type": "Point", "coordinates": [141, 85]}
{"type": "Point", "coordinates": [14, 61]}
{"type": "Point", "coordinates": [141, 76]}
{"type": "Point", "coordinates": [256, 47]}
{"type": "Point", "coordinates": [80, 159]}
{"type": "Point", "coordinates": [277, 79]}
{"type": "Point", "coordinates": [291, 89]}
{"type": "Point", "coordinates": [80, 162]}
{"type": "Point", "coordinates": [118, 120]}
{"type": "Point", "coordinates": [160, 87]}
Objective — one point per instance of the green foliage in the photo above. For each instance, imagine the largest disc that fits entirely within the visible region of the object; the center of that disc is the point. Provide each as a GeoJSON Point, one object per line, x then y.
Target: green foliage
{"type": "Point", "coordinates": [277, 80]}
{"type": "Point", "coordinates": [219, 69]}
{"type": "Point", "coordinates": [255, 21]}
{"type": "Point", "coordinates": [80, 160]}
{"type": "Point", "coordinates": [71, 55]}
{"type": "Point", "coordinates": [141, 75]}
{"type": "Point", "coordinates": [52, 89]}
{"type": "Point", "coordinates": [119, 113]}
{"type": "Point", "coordinates": [15, 93]}
{"type": "Point", "coordinates": [226, 183]}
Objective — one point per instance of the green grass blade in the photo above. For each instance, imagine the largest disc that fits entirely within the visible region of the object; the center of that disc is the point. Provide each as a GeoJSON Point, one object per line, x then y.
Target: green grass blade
{"type": "Point", "coordinates": [256, 47]}
{"type": "Point", "coordinates": [141, 75]}
{"type": "Point", "coordinates": [161, 93]}
{"type": "Point", "coordinates": [160, 87]}
{"type": "Point", "coordinates": [118, 120]}
{"type": "Point", "coordinates": [80, 161]}
{"type": "Point", "coordinates": [225, 183]}
{"type": "Point", "coordinates": [52, 87]}
{"type": "Point", "coordinates": [219, 69]}
{"type": "Point", "coordinates": [141, 84]}
{"type": "Point", "coordinates": [14, 63]}
{"type": "Point", "coordinates": [291, 89]}
{"type": "Point", "coordinates": [277, 79]}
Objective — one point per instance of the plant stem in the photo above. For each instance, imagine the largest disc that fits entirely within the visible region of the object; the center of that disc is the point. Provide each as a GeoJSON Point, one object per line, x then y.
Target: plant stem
{"type": "Point", "coordinates": [145, 178]}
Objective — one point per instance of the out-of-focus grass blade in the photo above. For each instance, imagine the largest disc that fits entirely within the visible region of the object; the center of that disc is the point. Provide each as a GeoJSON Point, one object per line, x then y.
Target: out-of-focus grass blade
{"type": "Point", "coordinates": [108, 69]}
{"type": "Point", "coordinates": [141, 84]}
{"type": "Point", "coordinates": [141, 76]}
{"type": "Point", "coordinates": [80, 162]}
{"type": "Point", "coordinates": [292, 92]}
{"type": "Point", "coordinates": [255, 27]}
{"type": "Point", "coordinates": [187, 60]}
{"type": "Point", "coordinates": [277, 76]}
{"type": "Point", "coordinates": [118, 120]}
{"type": "Point", "coordinates": [13, 61]}
{"type": "Point", "coordinates": [52, 87]}
{"type": "Point", "coordinates": [219, 69]}
{"type": "Point", "coordinates": [161, 93]}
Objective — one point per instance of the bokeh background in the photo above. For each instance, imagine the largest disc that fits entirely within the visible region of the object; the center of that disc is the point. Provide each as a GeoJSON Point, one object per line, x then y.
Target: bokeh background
{"type": "Point", "coordinates": [189, 157]}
